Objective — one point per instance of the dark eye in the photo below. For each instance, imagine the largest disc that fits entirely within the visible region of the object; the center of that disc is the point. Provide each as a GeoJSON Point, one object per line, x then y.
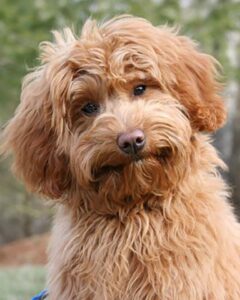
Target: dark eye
{"type": "Point", "coordinates": [91, 108]}
{"type": "Point", "coordinates": [139, 90]}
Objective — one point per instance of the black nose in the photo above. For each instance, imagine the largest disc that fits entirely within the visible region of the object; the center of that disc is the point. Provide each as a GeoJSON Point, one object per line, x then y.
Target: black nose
{"type": "Point", "coordinates": [131, 142]}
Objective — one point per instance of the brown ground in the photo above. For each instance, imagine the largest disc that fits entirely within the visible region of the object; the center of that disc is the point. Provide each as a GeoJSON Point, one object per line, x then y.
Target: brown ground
{"type": "Point", "coordinates": [26, 251]}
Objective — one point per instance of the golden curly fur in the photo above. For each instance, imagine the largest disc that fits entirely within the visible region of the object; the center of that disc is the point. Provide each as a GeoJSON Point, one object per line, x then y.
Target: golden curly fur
{"type": "Point", "coordinates": [156, 227]}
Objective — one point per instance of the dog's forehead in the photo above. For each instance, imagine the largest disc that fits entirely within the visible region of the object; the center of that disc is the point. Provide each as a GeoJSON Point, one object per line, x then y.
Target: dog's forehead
{"type": "Point", "coordinates": [122, 59]}
{"type": "Point", "coordinates": [123, 51]}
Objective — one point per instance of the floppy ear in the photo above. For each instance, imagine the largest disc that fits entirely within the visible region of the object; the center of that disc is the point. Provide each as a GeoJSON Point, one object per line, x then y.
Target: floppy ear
{"type": "Point", "coordinates": [196, 87]}
{"type": "Point", "coordinates": [33, 143]}
{"type": "Point", "coordinates": [32, 135]}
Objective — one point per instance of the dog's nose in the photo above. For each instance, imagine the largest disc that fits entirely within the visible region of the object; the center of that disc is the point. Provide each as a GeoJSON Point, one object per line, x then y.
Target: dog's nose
{"type": "Point", "coordinates": [131, 142]}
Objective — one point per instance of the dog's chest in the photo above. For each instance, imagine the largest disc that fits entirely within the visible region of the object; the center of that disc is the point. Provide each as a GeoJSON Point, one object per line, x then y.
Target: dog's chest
{"type": "Point", "coordinates": [143, 258]}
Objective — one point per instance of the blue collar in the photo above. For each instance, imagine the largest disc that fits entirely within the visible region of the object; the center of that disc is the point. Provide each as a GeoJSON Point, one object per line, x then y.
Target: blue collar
{"type": "Point", "coordinates": [41, 296]}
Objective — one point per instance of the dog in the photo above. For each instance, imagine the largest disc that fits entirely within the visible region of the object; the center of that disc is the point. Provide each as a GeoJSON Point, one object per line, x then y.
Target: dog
{"type": "Point", "coordinates": [113, 126]}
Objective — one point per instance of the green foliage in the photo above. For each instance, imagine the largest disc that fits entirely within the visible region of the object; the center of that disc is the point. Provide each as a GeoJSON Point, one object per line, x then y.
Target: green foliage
{"type": "Point", "coordinates": [211, 23]}
{"type": "Point", "coordinates": [21, 283]}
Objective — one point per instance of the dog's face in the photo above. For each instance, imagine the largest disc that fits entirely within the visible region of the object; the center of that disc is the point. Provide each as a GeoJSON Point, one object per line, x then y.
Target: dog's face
{"type": "Point", "coordinates": [113, 112]}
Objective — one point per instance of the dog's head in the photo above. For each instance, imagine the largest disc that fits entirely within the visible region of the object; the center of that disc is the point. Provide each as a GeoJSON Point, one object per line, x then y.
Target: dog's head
{"type": "Point", "coordinates": [113, 112]}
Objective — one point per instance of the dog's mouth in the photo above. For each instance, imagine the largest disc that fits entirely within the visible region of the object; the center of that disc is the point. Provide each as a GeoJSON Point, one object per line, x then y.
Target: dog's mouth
{"type": "Point", "coordinates": [161, 157]}
{"type": "Point", "coordinates": [108, 169]}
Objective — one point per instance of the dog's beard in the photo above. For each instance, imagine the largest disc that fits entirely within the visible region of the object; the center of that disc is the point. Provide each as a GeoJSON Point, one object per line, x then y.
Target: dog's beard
{"type": "Point", "coordinates": [111, 183]}
{"type": "Point", "coordinates": [135, 179]}
{"type": "Point", "coordinates": [120, 180]}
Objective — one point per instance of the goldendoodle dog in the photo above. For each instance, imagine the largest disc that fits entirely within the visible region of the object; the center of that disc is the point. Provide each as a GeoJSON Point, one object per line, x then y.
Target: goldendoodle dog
{"type": "Point", "coordinates": [113, 126]}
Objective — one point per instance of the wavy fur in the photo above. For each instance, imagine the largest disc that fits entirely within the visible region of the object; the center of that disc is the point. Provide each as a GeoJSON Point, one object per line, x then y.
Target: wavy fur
{"type": "Point", "coordinates": [157, 228]}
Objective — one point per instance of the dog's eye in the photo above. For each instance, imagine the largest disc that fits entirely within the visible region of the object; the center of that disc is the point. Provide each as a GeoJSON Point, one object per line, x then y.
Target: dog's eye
{"type": "Point", "coordinates": [90, 108]}
{"type": "Point", "coordinates": [139, 90]}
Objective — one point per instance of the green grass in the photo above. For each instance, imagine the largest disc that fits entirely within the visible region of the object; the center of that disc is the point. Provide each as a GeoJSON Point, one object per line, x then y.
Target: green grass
{"type": "Point", "coordinates": [21, 283]}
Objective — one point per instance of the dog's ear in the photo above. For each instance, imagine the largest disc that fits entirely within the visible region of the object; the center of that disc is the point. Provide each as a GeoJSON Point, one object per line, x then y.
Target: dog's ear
{"type": "Point", "coordinates": [33, 143]}
{"type": "Point", "coordinates": [197, 88]}
{"type": "Point", "coordinates": [32, 135]}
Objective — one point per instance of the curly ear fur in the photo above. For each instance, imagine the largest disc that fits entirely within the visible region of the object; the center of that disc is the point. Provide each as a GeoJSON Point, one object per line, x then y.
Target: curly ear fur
{"type": "Point", "coordinates": [30, 134]}
{"type": "Point", "coordinates": [197, 88]}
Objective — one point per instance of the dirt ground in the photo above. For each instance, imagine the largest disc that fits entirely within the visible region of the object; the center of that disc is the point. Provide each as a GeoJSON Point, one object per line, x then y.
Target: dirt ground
{"type": "Point", "coordinates": [26, 251]}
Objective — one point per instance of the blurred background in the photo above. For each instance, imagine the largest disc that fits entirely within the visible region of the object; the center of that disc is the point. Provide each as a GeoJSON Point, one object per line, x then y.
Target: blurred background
{"type": "Point", "coordinates": [215, 24]}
